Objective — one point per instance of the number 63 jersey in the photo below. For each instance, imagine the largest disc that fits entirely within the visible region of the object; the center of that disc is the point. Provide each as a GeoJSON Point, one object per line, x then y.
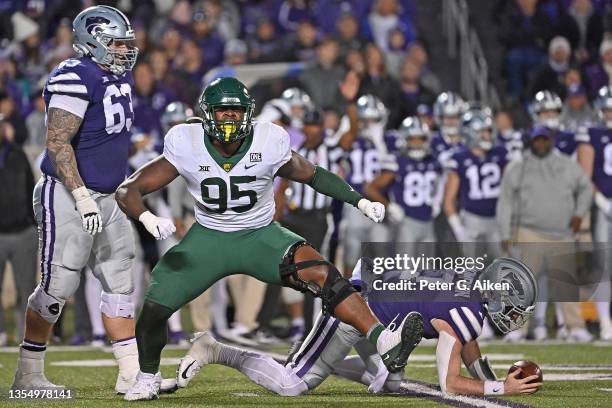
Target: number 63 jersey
{"type": "Point", "coordinates": [104, 101]}
{"type": "Point", "coordinates": [230, 193]}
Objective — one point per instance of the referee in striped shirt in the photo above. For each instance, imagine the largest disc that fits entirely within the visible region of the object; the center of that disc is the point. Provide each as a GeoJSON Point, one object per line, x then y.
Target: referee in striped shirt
{"type": "Point", "coordinates": [305, 212]}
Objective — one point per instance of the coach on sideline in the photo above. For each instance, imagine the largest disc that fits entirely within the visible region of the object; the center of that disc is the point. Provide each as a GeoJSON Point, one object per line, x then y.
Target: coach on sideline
{"type": "Point", "coordinates": [543, 199]}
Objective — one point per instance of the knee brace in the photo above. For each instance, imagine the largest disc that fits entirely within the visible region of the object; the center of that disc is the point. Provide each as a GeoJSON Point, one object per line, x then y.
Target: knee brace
{"type": "Point", "coordinates": [335, 288]}
{"type": "Point", "coordinates": [47, 306]}
{"type": "Point", "coordinates": [116, 305]}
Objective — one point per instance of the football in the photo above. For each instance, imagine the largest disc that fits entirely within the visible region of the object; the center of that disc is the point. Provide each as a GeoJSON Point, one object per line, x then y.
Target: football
{"type": "Point", "coordinates": [528, 368]}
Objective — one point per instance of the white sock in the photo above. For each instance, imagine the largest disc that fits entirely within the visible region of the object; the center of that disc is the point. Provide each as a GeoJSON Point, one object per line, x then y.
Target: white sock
{"type": "Point", "coordinates": [31, 361]}
{"type": "Point", "coordinates": [603, 312]}
{"type": "Point", "coordinates": [540, 313]}
{"type": "Point", "coordinates": [126, 354]}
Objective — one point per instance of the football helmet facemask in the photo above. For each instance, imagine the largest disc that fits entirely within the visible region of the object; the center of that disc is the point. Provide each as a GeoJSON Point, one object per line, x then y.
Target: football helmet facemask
{"type": "Point", "coordinates": [226, 92]}
{"type": "Point", "coordinates": [414, 138]}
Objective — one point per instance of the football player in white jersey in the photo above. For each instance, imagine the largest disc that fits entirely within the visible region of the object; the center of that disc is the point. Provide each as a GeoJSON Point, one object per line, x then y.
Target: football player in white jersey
{"type": "Point", "coordinates": [229, 164]}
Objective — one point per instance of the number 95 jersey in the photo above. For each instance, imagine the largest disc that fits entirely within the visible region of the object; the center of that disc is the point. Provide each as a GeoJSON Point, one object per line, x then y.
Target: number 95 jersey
{"type": "Point", "coordinates": [231, 193]}
{"type": "Point", "coordinates": [104, 101]}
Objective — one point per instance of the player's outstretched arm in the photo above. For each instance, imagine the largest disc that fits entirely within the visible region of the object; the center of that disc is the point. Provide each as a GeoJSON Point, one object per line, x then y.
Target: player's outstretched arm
{"type": "Point", "coordinates": [62, 126]}
{"type": "Point", "coordinates": [154, 175]}
{"type": "Point", "coordinates": [325, 182]}
{"type": "Point", "coordinates": [448, 361]}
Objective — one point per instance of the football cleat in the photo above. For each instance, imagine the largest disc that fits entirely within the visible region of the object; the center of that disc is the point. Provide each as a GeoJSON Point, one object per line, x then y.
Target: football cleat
{"type": "Point", "coordinates": [403, 340]}
{"type": "Point", "coordinates": [204, 350]}
{"type": "Point", "coordinates": [146, 388]}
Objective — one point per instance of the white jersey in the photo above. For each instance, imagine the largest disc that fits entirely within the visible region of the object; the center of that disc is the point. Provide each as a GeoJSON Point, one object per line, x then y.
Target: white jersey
{"type": "Point", "coordinates": [233, 193]}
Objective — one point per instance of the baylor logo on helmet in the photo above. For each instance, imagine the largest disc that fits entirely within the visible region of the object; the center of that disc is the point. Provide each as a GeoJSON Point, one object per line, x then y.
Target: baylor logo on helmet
{"type": "Point", "coordinates": [54, 308]}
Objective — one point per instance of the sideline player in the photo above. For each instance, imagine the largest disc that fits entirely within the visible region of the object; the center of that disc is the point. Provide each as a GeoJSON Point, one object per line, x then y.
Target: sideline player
{"type": "Point", "coordinates": [89, 116]}
{"type": "Point", "coordinates": [455, 318]}
{"type": "Point", "coordinates": [229, 164]}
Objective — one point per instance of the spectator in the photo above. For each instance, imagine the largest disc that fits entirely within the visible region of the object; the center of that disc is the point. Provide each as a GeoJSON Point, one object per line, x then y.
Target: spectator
{"type": "Point", "coordinates": [379, 83]}
{"type": "Point", "coordinates": [418, 55]}
{"type": "Point", "coordinates": [524, 30]}
{"type": "Point", "coordinates": [225, 18]}
{"type": "Point", "coordinates": [235, 54]}
{"type": "Point", "coordinates": [35, 123]}
{"type": "Point", "coordinates": [302, 46]}
{"type": "Point", "coordinates": [386, 16]}
{"type": "Point", "coordinates": [149, 100]}
{"type": "Point", "coordinates": [171, 43]}
{"type": "Point", "coordinates": [8, 84]}
{"type": "Point", "coordinates": [328, 13]}
{"type": "Point", "coordinates": [413, 94]}
{"type": "Point", "coordinates": [18, 236]}
{"type": "Point", "coordinates": [209, 41]}
{"type": "Point", "coordinates": [293, 12]}
{"type": "Point", "coordinates": [396, 52]}
{"type": "Point", "coordinates": [347, 34]}
{"type": "Point", "coordinates": [264, 45]}
{"type": "Point", "coordinates": [9, 112]}
{"type": "Point", "coordinates": [598, 74]}
{"type": "Point", "coordinates": [588, 25]}
{"type": "Point", "coordinates": [28, 55]}
{"type": "Point", "coordinates": [551, 203]}
{"type": "Point", "coordinates": [60, 46]}
{"type": "Point", "coordinates": [577, 114]}
{"type": "Point", "coordinates": [191, 71]}
{"type": "Point", "coordinates": [550, 76]}
{"type": "Point", "coordinates": [354, 61]}
{"type": "Point", "coordinates": [321, 79]}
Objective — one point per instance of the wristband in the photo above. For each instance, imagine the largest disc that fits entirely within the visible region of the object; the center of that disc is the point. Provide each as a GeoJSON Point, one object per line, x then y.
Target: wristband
{"type": "Point", "coordinates": [80, 193]}
{"type": "Point", "coordinates": [493, 388]}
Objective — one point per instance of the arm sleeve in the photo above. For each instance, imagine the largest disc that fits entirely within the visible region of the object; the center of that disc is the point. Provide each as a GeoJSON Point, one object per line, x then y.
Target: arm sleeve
{"type": "Point", "coordinates": [326, 182]}
{"type": "Point", "coordinates": [72, 104]}
{"type": "Point", "coordinates": [389, 163]}
{"type": "Point", "coordinates": [584, 192]}
{"type": "Point", "coordinates": [504, 202]}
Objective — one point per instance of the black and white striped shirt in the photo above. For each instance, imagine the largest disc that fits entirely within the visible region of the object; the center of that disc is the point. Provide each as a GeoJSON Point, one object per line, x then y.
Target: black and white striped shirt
{"type": "Point", "coordinates": [304, 197]}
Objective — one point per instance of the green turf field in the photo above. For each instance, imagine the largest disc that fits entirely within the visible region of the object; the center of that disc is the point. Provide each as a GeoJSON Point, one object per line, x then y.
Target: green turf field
{"type": "Point", "coordinates": [220, 386]}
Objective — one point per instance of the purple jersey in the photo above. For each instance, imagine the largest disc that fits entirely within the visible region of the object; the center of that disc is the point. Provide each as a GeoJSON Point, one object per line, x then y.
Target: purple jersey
{"type": "Point", "coordinates": [101, 145]}
{"type": "Point", "coordinates": [601, 140]}
{"type": "Point", "coordinates": [442, 150]}
{"type": "Point", "coordinates": [566, 142]}
{"type": "Point", "coordinates": [363, 160]}
{"type": "Point", "coordinates": [480, 179]}
{"type": "Point", "coordinates": [414, 185]}
{"type": "Point", "coordinates": [464, 316]}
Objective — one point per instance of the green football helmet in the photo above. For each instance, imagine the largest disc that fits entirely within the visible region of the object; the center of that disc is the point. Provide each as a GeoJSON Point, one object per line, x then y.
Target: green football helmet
{"type": "Point", "coordinates": [226, 92]}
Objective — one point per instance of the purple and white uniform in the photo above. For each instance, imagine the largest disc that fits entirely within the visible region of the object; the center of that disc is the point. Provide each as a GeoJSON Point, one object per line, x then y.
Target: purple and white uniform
{"type": "Point", "coordinates": [363, 164]}
{"type": "Point", "coordinates": [442, 150]}
{"type": "Point", "coordinates": [101, 147]}
{"type": "Point", "coordinates": [479, 188]}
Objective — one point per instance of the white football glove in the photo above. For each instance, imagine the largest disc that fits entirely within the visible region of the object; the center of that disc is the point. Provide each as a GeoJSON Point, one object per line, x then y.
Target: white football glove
{"type": "Point", "coordinates": [88, 209]}
{"type": "Point", "coordinates": [395, 212]}
{"type": "Point", "coordinates": [458, 229]}
{"type": "Point", "coordinates": [373, 210]}
{"type": "Point", "coordinates": [159, 227]}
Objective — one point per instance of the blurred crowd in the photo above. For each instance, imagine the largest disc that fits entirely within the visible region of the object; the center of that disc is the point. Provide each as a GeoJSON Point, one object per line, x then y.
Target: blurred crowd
{"type": "Point", "coordinates": [358, 97]}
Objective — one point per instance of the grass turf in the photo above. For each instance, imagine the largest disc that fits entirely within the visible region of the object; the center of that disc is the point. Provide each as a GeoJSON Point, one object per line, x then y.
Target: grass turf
{"type": "Point", "coordinates": [220, 386]}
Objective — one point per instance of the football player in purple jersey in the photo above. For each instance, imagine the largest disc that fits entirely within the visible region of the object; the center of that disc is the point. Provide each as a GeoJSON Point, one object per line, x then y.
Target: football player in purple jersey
{"type": "Point", "coordinates": [545, 110]}
{"type": "Point", "coordinates": [410, 177]}
{"type": "Point", "coordinates": [473, 180]}
{"type": "Point", "coordinates": [448, 109]}
{"type": "Point", "coordinates": [454, 317]}
{"type": "Point", "coordinates": [89, 116]}
{"type": "Point", "coordinates": [363, 161]}
{"type": "Point", "coordinates": [595, 157]}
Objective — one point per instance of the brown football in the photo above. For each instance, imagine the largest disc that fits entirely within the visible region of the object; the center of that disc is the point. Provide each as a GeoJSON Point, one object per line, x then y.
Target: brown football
{"type": "Point", "coordinates": [528, 368]}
